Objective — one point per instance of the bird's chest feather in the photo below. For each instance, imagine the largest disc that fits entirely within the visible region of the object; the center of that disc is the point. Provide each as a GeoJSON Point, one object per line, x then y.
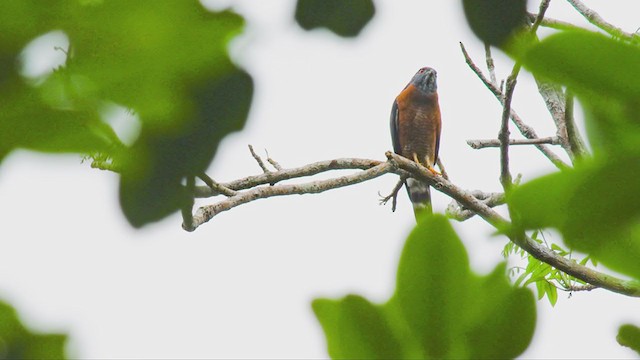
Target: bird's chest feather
{"type": "Point", "coordinates": [418, 123]}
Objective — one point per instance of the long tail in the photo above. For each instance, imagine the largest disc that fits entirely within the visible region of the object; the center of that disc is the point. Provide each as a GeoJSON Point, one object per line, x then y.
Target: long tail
{"type": "Point", "coordinates": [420, 196]}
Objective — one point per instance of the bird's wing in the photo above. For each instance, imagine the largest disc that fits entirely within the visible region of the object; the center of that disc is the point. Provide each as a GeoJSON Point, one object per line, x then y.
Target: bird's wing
{"type": "Point", "coordinates": [395, 139]}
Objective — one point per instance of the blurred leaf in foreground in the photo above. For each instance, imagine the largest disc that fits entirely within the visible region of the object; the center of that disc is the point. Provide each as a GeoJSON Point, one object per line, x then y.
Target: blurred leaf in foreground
{"type": "Point", "coordinates": [344, 18]}
{"type": "Point", "coordinates": [17, 342]}
{"type": "Point", "coordinates": [440, 308]}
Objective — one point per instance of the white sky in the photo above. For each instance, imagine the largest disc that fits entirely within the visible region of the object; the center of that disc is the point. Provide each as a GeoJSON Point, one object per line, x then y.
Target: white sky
{"type": "Point", "coordinates": [241, 285]}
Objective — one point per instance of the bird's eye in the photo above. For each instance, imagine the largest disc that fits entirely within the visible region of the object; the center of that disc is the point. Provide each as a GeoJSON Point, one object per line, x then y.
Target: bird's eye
{"type": "Point", "coordinates": [421, 71]}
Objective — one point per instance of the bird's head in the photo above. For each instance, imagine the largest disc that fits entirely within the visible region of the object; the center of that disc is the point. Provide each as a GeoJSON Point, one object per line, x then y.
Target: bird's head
{"type": "Point", "coordinates": [425, 80]}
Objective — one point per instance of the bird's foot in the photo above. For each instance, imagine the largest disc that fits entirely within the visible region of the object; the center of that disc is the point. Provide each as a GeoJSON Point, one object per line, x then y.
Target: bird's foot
{"type": "Point", "coordinates": [434, 171]}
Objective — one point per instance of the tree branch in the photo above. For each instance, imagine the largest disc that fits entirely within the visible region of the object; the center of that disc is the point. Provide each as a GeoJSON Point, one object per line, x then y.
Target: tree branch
{"type": "Point", "coordinates": [487, 143]}
{"type": "Point", "coordinates": [503, 136]}
{"type": "Point", "coordinates": [573, 135]}
{"type": "Point", "coordinates": [206, 213]}
{"type": "Point", "coordinates": [553, 23]}
{"type": "Point", "coordinates": [540, 252]}
{"type": "Point", "coordinates": [595, 19]}
{"type": "Point", "coordinates": [458, 212]}
{"type": "Point", "coordinates": [490, 66]}
{"type": "Point", "coordinates": [286, 174]}
{"type": "Point", "coordinates": [469, 202]}
{"type": "Point", "coordinates": [258, 159]}
{"type": "Point", "coordinates": [524, 129]}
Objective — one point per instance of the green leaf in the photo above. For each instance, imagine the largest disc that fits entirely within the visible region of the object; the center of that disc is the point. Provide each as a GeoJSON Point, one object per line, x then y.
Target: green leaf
{"type": "Point", "coordinates": [494, 21]}
{"type": "Point", "coordinates": [169, 65]}
{"type": "Point", "coordinates": [495, 306]}
{"type": "Point", "coordinates": [26, 122]}
{"type": "Point", "coordinates": [145, 59]}
{"type": "Point", "coordinates": [440, 309]}
{"type": "Point", "coordinates": [629, 336]}
{"type": "Point", "coordinates": [604, 73]}
{"type": "Point", "coordinates": [433, 286]}
{"type": "Point", "coordinates": [151, 183]}
{"type": "Point", "coordinates": [594, 206]}
{"type": "Point", "coordinates": [18, 342]}
{"type": "Point", "coordinates": [356, 329]}
{"type": "Point", "coordinates": [344, 18]}
{"type": "Point", "coordinates": [587, 62]}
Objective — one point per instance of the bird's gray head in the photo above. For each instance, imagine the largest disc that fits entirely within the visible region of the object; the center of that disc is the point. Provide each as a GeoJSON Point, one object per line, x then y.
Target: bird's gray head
{"type": "Point", "coordinates": [425, 80]}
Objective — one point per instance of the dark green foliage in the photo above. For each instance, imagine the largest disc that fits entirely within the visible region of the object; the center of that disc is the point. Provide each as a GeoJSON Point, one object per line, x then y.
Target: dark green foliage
{"type": "Point", "coordinates": [344, 18]}
{"type": "Point", "coordinates": [440, 309]}
{"type": "Point", "coordinates": [151, 183]}
{"type": "Point", "coordinates": [604, 73]}
{"type": "Point", "coordinates": [595, 206]}
{"type": "Point", "coordinates": [494, 21]}
{"type": "Point", "coordinates": [629, 336]}
{"type": "Point", "coordinates": [18, 342]}
{"type": "Point", "coordinates": [166, 61]}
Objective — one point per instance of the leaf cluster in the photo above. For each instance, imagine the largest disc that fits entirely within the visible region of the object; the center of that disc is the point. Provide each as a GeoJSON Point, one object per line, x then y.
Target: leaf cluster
{"type": "Point", "coordinates": [440, 308]}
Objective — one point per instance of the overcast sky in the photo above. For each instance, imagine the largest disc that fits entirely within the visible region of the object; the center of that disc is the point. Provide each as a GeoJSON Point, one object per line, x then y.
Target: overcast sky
{"type": "Point", "coordinates": [241, 285]}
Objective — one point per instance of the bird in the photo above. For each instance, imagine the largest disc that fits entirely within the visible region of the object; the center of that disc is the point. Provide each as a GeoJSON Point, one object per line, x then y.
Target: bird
{"type": "Point", "coordinates": [415, 132]}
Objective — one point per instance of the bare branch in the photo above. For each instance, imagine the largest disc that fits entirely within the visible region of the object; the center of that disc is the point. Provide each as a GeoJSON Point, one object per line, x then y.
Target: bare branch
{"type": "Point", "coordinates": [540, 252]}
{"type": "Point", "coordinates": [544, 5]}
{"type": "Point", "coordinates": [259, 160]}
{"type": "Point", "coordinates": [595, 19]}
{"type": "Point", "coordinates": [273, 163]}
{"type": "Point", "coordinates": [554, 100]}
{"type": "Point", "coordinates": [206, 213]}
{"type": "Point", "coordinates": [573, 135]}
{"type": "Point", "coordinates": [576, 288]}
{"type": "Point", "coordinates": [286, 174]}
{"type": "Point", "coordinates": [216, 187]}
{"type": "Point", "coordinates": [553, 23]}
{"type": "Point", "coordinates": [475, 202]}
{"type": "Point", "coordinates": [503, 136]}
{"type": "Point", "coordinates": [488, 143]}
{"type": "Point", "coordinates": [490, 66]}
{"type": "Point", "coordinates": [524, 129]}
{"type": "Point", "coordinates": [458, 212]}
{"type": "Point", "coordinates": [443, 171]}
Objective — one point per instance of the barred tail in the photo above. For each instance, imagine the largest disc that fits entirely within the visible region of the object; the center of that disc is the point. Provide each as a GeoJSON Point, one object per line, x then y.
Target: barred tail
{"type": "Point", "coordinates": [420, 196]}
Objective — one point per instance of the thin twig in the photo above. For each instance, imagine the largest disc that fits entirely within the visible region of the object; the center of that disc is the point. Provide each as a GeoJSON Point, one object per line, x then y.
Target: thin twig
{"type": "Point", "coordinates": [273, 163]}
{"type": "Point", "coordinates": [259, 160]}
{"type": "Point", "coordinates": [488, 143]}
{"type": "Point", "coordinates": [597, 20]}
{"type": "Point", "coordinates": [458, 212]}
{"type": "Point", "coordinates": [286, 174]}
{"type": "Point", "coordinates": [553, 23]}
{"type": "Point", "coordinates": [544, 5]}
{"type": "Point", "coordinates": [443, 171]}
{"type": "Point", "coordinates": [490, 66]}
{"type": "Point", "coordinates": [554, 100]}
{"type": "Point", "coordinates": [576, 288]}
{"type": "Point", "coordinates": [503, 136]}
{"type": "Point", "coordinates": [206, 213]}
{"type": "Point", "coordinates": [525, 129]}
{"type": "Point", "coordinates": [393, 195]}
{"type": "Point", "coordinates": [216, 187]}
{"type": "Point", "coordinates": [573, 135]}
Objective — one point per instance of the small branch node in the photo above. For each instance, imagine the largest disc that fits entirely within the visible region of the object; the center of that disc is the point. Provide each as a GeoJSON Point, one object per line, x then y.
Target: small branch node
{"type": "Point", "coordinates": [215, 186]}
{"type": "Point", "coordinates": [273, 163]}
{"type": "Point", "coordinates": [258, 159]}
